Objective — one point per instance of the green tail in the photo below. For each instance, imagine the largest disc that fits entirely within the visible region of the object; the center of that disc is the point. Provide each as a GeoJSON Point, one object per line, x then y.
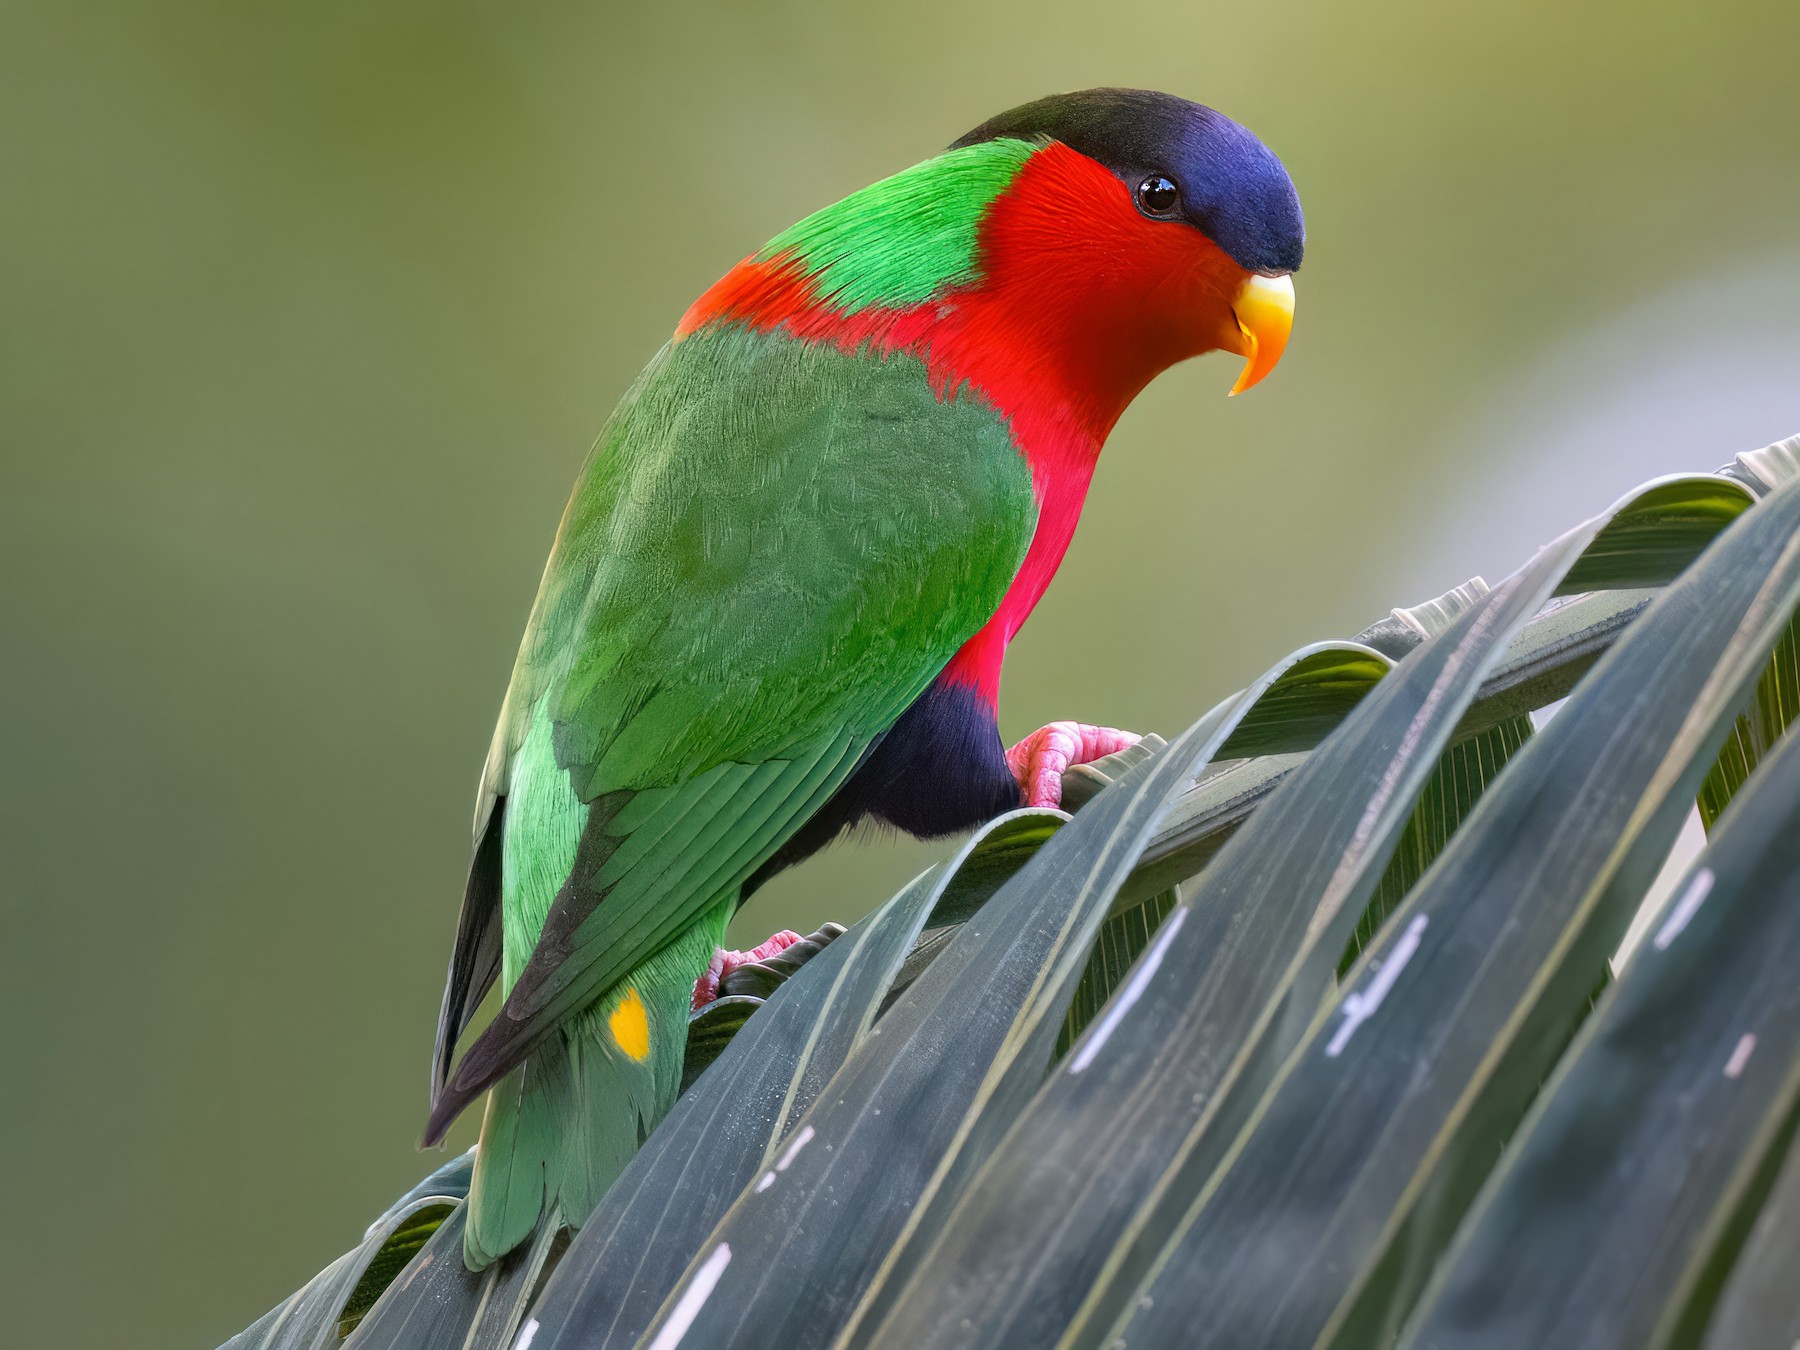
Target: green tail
{"type": "Point", "coordinates": [561, 1126]}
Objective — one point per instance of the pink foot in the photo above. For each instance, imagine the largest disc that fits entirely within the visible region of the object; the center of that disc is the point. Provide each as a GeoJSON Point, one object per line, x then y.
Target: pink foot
{"type": "Point", "coordinates": [1042, 758]}
{"type": "Point", "coordinates": [706, 988]}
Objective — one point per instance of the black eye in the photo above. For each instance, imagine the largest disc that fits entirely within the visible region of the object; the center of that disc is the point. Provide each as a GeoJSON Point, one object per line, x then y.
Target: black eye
{"type": "Point", "coordinates": [1158, 195]}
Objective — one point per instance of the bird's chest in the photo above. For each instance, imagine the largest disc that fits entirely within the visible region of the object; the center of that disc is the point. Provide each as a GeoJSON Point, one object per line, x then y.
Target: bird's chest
{"type": "Point", "coordinates": [1061, 473]}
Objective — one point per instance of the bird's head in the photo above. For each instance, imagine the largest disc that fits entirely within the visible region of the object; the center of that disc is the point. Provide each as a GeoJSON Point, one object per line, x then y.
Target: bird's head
{"type": "Point", "coordinates": [1190, 224]}
{"type": "Point", "coordinates": [1096, 238]}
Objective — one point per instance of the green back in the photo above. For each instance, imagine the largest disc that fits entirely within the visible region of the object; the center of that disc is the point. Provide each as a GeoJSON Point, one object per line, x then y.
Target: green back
{"type": "Point", "coordinates": [774, 549]}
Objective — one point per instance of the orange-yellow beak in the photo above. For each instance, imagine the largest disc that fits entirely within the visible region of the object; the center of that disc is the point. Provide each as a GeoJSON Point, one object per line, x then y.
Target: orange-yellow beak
{"type": "Point", "coordinates": [1264, 310]}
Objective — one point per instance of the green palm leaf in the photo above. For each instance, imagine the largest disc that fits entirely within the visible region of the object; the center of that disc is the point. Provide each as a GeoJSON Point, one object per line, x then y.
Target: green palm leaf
{"type": "Point", "coordinates": [1629, 1187]}
{"type": "Point", "coordinates": [1476, 984]}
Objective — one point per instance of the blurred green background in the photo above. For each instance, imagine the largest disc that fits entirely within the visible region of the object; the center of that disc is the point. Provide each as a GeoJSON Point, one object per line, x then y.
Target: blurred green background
{"type": "Point", "coordinates": [309, 313]}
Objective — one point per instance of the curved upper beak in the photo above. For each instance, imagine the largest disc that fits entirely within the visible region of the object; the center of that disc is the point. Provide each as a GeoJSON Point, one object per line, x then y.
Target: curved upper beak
{"type": "Point", "coordinates": [1264, 310]}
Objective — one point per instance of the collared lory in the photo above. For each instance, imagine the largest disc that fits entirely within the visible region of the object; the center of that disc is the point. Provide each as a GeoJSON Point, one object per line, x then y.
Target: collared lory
{"type": "Point", "coordinates": [780, 597]}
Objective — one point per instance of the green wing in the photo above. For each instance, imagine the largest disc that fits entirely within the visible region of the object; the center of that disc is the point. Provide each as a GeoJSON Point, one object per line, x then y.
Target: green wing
{"type": "Point", "coordinates": [774, 550]}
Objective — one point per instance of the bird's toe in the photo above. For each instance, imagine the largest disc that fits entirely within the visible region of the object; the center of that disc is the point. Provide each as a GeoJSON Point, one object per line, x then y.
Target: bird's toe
{"type": "Point", "coordinates": [723, 962]}
{"type": "Point", "coordinates": [1042, 758]}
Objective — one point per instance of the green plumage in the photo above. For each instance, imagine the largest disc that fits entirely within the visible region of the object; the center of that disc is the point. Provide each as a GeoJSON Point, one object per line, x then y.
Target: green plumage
{"type": "Point", "coordinates": [773, 550]}
{"type": "Point", "coordinates": [908, 237]}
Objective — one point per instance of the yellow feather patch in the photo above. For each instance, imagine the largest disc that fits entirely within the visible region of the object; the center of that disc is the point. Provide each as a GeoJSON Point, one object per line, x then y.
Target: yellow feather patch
{"type": "Point", "coordinates": [631, 1026]}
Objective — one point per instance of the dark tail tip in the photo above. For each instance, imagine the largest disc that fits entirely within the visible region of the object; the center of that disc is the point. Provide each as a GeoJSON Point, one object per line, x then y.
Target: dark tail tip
{"type": "Point", "coordinates": [450, 1104]}
{"type": "Point", "coordinates": [503, 1043]}
{"type": "Point", "coordinates": [446, 1106]}
{"type": "Point", "coordinates": [486, 1063]}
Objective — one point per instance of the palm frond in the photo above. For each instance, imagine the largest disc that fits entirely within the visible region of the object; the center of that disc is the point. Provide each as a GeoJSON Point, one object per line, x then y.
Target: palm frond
{"type": "Point", "coordinates": [1283, 1038]}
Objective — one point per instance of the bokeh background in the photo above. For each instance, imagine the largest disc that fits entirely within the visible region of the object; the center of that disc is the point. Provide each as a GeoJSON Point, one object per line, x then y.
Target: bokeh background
{"type": "Point", "coordinates": [308, 314]}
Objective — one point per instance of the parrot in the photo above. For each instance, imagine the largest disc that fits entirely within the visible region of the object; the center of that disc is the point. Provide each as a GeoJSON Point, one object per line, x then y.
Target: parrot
{"type": "Point", "coordinates": [780, 596]}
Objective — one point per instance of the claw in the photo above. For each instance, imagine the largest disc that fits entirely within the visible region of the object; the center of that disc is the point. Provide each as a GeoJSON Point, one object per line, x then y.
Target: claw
{"type": "Point", "coordinates": [723, 962]}
{"type": "Point", "coordinates": [1042, 758]}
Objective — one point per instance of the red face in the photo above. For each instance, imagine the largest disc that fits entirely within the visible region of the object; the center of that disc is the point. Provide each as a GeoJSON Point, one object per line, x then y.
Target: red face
{"type": "Point", "coordinates": [1108, 294]}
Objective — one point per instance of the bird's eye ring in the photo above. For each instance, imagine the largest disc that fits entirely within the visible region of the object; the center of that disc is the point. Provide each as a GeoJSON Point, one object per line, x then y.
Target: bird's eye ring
{"type": "Point", "coordinates": [1158, 196]}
